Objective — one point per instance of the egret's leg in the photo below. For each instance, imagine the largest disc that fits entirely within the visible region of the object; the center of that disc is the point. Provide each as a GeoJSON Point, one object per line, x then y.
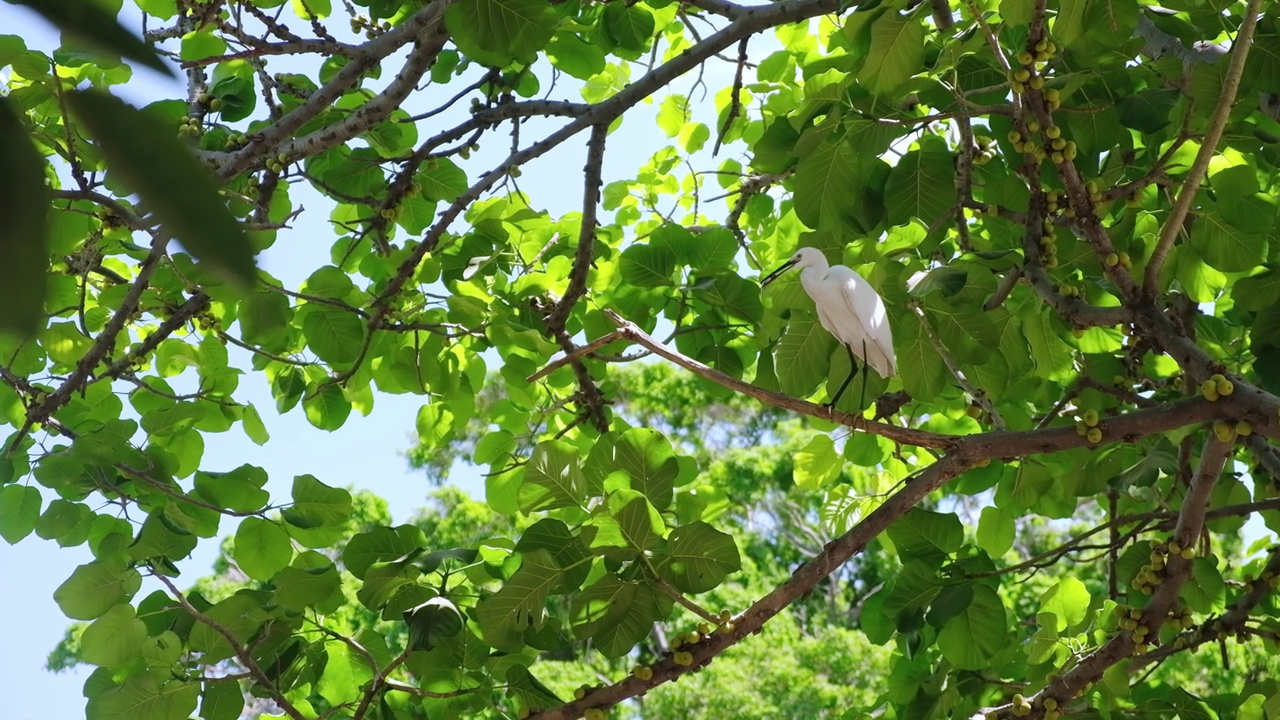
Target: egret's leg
{"type": "Point", "coordinates": [862, 399]}
{"type": "Point", "coordinates": [853, 370]}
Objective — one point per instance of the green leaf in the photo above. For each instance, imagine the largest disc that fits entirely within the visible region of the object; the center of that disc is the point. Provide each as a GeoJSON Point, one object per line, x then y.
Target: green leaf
{"type": "Point", "coordinates": [158, 540]}
{"type": "Point", "coordinates": [698, 558]}
{"type": "Point", "coordinates": [308, 9]}
{"type": "Point", "coordinates": [442, 182]}
{"type": "Point", "coordinates": [67, 522]}
{"type": "Point", "coordinates": [499, 32]}
{"type": "Point", "coordinates": [737, 297]}
{"type": "Point", "coordinates": [1224, 246]}
{"type": "Point", "coordinates": [922, 185]}
{"type": "Point", "coordinates": [573, 55]}
{"type": "Point", "coordinates": [115, 638]}
{"type": "Point", "coordinates": [647, 266]}
{"type": "Point", "coordinates": [253, 426]}
{"type": "Point", "coordinates": [327, 408]}
{"type": "Point", "coordinates": [805, 351]}
{"type": "Point", "coordinates": [616, 614]}
{"type": "Point", "coordinates": [333, 334]}
{"type": "Point", "coordinates": [1147, 111]}
{"type": "Point", "coordinates": [995, 531]}
{"type": "Point", "coordinates": [818, 463]}
{"type": "Point", "coordinates": [552, 478]}
{"type": "Point", "coordinates": [926, 535]}
{"type": "Point", "coordinates": [201, 45]}
{"type": "Point", "coordinates": [310, 582]}
{"type": "Point", "coordinates": [639, 522]}
{"type": "Point", "coordinates": [647, 458]}
{"type": "Point", "coordinates": [262, 548]}
{"type": "Point", "coordinates": [153, 163]}
{"type": "Point", "coordinates": [95, 588]}
{"type": "Point", "coordinates": [145, 697]}
{"type": "Point", "coordinates": [630, 26]}
{"type": "Point", "coordinates": [432, 621]}
{"type": "Point", "coordinates": [923, 372]}
{"type": "Point", "coordinates": [221, 701]}
{"type": "Point", "coordinates": [827, 181]}
{"type": "Point", "coordinates": [1205, 591]}
{"type": "Point", "coordinates": [1068, 601]}
{"type": "Point", "coordinates": [520, 604]}
{"type": "Point", "coordinates": [379, 544]}
{"type": "Point", "coordinates": [972, 638]}
{"type": "Point", "coordinates": [239, 490]}
{"type": "Point", "coordinates": [264, 320]}
{"type": "Point", "coordinates": [897, 53]}
{"type": "Point", "coordinates": [91, 24]}
{"type": "Point", "coordinates": [24, 203]}
{"type": "Point", "coordinates": [19, 511]}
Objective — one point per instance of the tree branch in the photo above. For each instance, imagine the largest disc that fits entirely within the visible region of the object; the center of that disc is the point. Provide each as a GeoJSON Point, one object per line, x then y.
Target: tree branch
{"type": "Point", "coordinates": [1208, 148]}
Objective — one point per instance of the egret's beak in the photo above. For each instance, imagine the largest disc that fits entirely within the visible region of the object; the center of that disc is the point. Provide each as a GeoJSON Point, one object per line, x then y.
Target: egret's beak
{"type": "Point", "coordinates": [774, 275]}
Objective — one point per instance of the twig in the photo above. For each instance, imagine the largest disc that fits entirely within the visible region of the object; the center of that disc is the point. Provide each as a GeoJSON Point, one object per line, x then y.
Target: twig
{"type": "Point", "coordinates": [241, 651]}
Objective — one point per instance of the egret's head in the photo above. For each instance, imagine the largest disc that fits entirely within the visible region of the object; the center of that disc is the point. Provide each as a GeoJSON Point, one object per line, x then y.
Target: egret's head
{"type": "Point", "coordinates": [805, 257]}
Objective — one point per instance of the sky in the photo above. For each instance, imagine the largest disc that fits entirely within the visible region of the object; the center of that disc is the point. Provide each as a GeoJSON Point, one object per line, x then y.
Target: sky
{"type": "Point", "coordinates": [367, 452]}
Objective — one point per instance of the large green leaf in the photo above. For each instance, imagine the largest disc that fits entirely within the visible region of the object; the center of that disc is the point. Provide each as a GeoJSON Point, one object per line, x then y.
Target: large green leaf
{"type": "Point", "coordinates": [972, 637]}
{"type": "Point", "coordinates": [802, 355]}
{"type": "Point", "coordinates": [1224, 246]}
{"type": "Point", "coordinates": [24, 202]}
{"type": "Point", "coordinates": [333, 334]}
{"type": "Point", "coordinates": [827, 183]}
{"type": "Point", "coordinates": [19, 511]}
{"type": "Point", "coordinates": [698, 557]}
{"type": "Point", "coordinates": [262, 548]}
{"type": "Point", "coordinates": [95, 588]}
{"type": "Point", "coordinates": [926, 535]}
{"type": "Point", "coordinates": [922, 185]}
{"type": "Point", "coordinates": [817, 463]}
{"type": "Point", "coordinates": [897, 53]}
{"type": "Point", "coordinates": [520, 604]}
{"type": "Point", "coordinates": [115, 638]}
{"type": "Point", "coordinates": [647, 458]}
{"type": "Point", "coordinates": [1068, 601]}
{"type": "Point", "coordinates": [552, 478]}
{"type": "Point", "coordinates": [378, 544]}
{"type": "Point", "coordinates": [499, 32]}
{"type": "Point", "coordinates": [150, 160]}
{"type": "Point", "coordinates": [616, 614]}
{"type": "Point", "coordinates": [146, 696]}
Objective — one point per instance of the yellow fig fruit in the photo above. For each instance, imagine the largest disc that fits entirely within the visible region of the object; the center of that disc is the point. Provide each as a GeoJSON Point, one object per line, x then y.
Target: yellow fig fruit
{"type": "Point", "coordinates": [1094, 435]}
{"type": "Point", "coordinates": [1226, 387]}
{"type": "Point", "coordinates": [1090, 417]}
{"type": "Point", "coordinates": [683, 658]}
{"type": "Point", "coordinates": [643, 673]}
{"type": "Point", "coordinates": [1224, 431]}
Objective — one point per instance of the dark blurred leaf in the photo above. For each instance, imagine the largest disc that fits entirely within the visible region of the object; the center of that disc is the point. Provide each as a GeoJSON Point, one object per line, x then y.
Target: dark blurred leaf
{"type": "Point", "coordinates": [151, 160]}
{"type": "Point", "coordinates": [24, 204]}
{"type": "Point", "coordinates": [89, 23]}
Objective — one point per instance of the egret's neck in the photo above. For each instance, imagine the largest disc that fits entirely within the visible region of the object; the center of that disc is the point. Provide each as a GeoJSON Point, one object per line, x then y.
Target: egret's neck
{"type": "Point", "coordinates": [812, 274]}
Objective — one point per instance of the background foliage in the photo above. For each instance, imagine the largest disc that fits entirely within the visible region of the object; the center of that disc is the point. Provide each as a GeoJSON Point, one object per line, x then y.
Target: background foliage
{"type": "Point", "coordinates": [1069, 208]}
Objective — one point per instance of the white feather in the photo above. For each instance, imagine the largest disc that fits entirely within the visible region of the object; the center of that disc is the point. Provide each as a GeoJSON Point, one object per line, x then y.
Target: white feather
{"type": "Point", "coordinates": [849, 308]}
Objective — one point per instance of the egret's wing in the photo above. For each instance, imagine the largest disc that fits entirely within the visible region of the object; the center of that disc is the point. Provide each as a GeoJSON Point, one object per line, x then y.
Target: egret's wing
{"type": "Point", "coordinates": [873, 324]}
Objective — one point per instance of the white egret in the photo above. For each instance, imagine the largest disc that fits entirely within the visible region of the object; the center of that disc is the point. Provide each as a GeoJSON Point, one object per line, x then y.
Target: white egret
{"type": "Point", "coordinates": [850, 309]}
